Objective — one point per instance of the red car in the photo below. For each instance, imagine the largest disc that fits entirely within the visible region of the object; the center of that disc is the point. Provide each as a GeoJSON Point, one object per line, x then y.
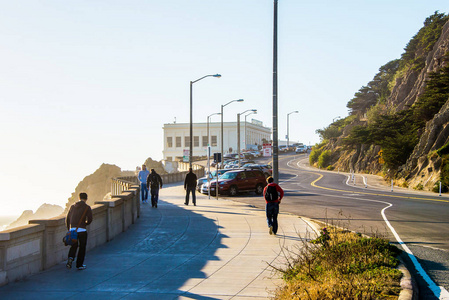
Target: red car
{"type": "Point", "coordinates": [233, 182]}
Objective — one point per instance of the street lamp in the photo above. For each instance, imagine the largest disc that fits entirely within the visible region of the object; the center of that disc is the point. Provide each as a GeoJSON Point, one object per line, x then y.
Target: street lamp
{"type": "Point", "coordinates": [288, 135]}
{"type": "Point", "coordinates": [238, 130]}
{"type": "Point", "coordinates": [275, 153]}
{"type": "Point", "coordinates": [208, 149]}
{"type": "Point", "coordinates": [222, 140]}
{"type": "Point", "coordinates": [253, 112]}
{"type": "Point", "coordinates": [191, 116]}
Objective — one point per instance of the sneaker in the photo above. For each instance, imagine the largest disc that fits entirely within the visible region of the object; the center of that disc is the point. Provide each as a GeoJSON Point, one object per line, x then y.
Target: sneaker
{"type": "Point", "coordinates": [194, 204]}
{"type": "Point", "coordinates": [271, 230]}
{"type": "Point", "coordinates": [83, 267]}
{"type": "Point", "coordinates": [69, 263]}
{"type": "Point", "coordinates": [185, 203]}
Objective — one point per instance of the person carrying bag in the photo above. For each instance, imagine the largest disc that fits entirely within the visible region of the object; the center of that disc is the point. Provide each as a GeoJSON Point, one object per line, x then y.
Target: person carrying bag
{"type": "Point", "coordinates": [78, 217]}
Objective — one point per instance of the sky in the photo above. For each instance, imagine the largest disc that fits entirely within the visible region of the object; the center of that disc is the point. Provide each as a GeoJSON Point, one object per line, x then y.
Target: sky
{"type": "Point", "coordinates": [89, 82]}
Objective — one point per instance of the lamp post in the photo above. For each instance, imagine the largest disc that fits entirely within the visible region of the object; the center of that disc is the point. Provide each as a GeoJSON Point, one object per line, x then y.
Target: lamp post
{"type": "Point", "coordinates": [238, 131]}
{"type": "Point", "coordinates": [288, 134]}
{"type": "Point", "coordinates": [208, 149]}
{"type": "Point", "coordinates": [191, 116]}
{"type": "Point", "coordinates": [275, 154]}
{"type": "Point", "coordinates": [253, 112]}
{"type": "Point", "coordinates": [222, 140]}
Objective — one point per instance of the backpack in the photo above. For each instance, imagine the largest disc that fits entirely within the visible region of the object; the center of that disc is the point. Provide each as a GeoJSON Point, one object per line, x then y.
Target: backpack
{"type": "Point", "coordinates": [271, 194]}
{"type": "Point", "coordinates": [154, 180]}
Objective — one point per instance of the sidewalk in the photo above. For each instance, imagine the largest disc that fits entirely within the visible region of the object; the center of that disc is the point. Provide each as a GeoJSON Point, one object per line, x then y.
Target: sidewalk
{"type": "Point", "coordinates": [216, 250]}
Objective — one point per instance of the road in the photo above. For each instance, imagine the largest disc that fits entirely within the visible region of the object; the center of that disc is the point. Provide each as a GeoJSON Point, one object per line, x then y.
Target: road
{"type": "Point", "coordinates": [416, 222]}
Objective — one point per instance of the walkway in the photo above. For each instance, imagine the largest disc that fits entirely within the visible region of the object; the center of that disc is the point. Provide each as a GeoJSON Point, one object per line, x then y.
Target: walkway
{"type": "Point", "coordinates": [215, 250]}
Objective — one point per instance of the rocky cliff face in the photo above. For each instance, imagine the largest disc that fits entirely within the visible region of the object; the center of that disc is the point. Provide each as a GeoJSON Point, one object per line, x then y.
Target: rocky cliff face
{"type": "Point", "coordinates": [96, 185]}
{"type": "Point", "coordinates": [423, 166]}
{"type": "Point", "coordinates": [45, 211]}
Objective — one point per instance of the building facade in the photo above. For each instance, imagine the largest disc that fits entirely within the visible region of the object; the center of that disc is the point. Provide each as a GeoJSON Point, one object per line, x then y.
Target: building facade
{"type": "Point", "coordinates": [177, 137]}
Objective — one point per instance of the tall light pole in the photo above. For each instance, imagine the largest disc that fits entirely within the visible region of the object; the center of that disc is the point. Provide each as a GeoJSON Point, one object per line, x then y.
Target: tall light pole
{"type": "Point", "coordinates": [222, 139]}
{"type": "Point", "coordinates": [238, 131]}
{"type": "Point", "coordinates": [191, 116]}
{"type": "Point", "coordinates": [275, 154]}
{"type": "Point", "coordinates": [288, 134]}
{"type": "Point", "coordinates": [208, 150]}
{"type": "Point", "coordinates": [253, 112]}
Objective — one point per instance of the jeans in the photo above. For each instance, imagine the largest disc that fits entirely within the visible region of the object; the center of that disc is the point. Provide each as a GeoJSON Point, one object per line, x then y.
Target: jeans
{"type": "Point", "coordinates": [154, 196]}
{"type": "Point", "coordinates": [143, 191]}
{"type": "Point", "coordinates": [82, 242]}
{"type": "Point", "coordinates": [272, 210]}
{"type": "Point", "coordinates": [188, 190]}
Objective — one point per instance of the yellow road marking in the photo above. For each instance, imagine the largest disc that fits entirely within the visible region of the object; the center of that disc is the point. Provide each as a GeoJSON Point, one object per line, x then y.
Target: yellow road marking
{"type": "Point", "coordinates": [313, 183]}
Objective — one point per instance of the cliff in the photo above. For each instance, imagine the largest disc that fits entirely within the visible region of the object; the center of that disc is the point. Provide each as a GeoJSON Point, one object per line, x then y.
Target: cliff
{"type": "Point", "coordinates": [45, 211]}
{"type": "Point", "coordinates": [399, 121]}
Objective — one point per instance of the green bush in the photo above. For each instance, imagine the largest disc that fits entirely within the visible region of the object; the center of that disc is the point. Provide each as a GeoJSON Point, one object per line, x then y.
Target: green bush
{"type": "Point", "coordinates": [313, 157]}
{"type": "Point", "coordinates": [324, 159]}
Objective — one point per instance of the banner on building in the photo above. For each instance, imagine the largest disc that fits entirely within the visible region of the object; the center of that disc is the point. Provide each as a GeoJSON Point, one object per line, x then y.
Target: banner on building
{"type": "Point", "coordinates": [266, 148]}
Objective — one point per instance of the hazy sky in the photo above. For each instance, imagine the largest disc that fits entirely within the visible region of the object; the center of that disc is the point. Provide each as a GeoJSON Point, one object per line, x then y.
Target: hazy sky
{"type": "Point", "coordinates": [91, 82]}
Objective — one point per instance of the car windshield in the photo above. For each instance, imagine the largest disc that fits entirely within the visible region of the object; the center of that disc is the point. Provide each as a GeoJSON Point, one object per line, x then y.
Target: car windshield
{"type": "Point", "coordinates": [229, 175]}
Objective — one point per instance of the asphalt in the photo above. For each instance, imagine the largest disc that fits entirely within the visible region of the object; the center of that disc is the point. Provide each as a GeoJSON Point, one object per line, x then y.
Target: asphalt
{"type": "Point", "coordinates": [219, 249]}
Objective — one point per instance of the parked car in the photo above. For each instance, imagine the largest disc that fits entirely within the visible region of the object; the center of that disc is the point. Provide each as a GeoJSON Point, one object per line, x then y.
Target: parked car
{"type": "Point", "coordinates": [301, 149]}
{"type": "Point", "coordinates": [267, 170]}
{"type": "Point", "coordinates": [212, 175]}
{"type": "Point", "coordinates": [283, 148]}
{"type": "Point", "coordinates": [236, 181]}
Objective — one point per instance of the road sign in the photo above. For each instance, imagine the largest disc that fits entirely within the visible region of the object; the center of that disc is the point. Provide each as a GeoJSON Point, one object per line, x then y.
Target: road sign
{"type": "Point", "coordinates": [185, 155]}
{"type": "Point", "coordinates": [266, 148]}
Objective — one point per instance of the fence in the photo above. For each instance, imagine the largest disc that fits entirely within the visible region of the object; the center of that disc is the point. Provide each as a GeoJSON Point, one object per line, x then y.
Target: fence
{"type": "Point", "coordinates": [38, 246]}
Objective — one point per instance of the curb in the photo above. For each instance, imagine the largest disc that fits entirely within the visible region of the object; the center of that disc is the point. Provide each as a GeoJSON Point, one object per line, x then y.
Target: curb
{"type": "Point", "coordinates": [409, 290]}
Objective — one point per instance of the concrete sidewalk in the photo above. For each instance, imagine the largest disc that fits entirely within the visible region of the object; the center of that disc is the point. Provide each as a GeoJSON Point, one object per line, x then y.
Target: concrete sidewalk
{"type": "Point", "coordinates": [215, 250]}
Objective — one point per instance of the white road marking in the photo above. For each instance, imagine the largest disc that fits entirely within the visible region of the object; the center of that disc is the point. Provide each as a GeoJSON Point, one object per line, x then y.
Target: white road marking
{"type": "Point", "coordinates": [440, 292]}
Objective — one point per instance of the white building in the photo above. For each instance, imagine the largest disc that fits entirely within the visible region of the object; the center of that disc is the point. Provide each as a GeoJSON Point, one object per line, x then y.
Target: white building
{"type": "Point", "coordinates": [176, 137]}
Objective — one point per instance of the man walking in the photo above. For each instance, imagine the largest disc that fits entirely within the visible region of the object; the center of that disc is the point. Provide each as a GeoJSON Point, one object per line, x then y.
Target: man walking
{"type": "Point", "coordinates": [80, 215]}
{"type": "Point", "coordinates": [154, 181]}
{"type": "Point", "coordinates": [190, 186]}
{"type": "Point", "coordinates": [273, 195]}
{"type": "Point", "coordinates": [143, 174]}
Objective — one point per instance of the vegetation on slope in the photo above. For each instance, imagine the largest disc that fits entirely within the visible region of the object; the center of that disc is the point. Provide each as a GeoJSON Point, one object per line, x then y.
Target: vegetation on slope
{"type": "Point", "coordinates": [397, 132]}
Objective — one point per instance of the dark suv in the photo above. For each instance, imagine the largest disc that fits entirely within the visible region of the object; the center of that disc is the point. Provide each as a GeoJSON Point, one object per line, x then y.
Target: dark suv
{"type": "Point", "coordinates": [233, 182]}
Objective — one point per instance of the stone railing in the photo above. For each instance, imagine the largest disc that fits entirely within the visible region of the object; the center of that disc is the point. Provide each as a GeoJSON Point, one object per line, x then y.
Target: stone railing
{"type": "Point", "coordinates": [38, 246]}
{"type": "Point", "coordinates": [170, 177]}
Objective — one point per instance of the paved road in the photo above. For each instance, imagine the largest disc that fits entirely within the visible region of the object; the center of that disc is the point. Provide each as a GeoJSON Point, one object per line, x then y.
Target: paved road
{"type": "Point", "coordinates": [421, 220]}
{"type": "Point", "coordinates": [215, 250]}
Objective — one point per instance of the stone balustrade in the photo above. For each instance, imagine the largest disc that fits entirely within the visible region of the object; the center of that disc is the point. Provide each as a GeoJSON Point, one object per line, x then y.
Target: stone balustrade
{"type": "Point", "coordinates": [38, 246]}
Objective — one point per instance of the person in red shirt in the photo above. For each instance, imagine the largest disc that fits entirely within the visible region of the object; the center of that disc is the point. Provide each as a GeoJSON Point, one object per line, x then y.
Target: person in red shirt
{"type": "Point", "coordinates": [273, 195]}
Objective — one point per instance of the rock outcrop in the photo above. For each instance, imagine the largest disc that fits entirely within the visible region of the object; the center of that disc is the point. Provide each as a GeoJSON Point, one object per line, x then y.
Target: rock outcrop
{"type": "Point", "coordinates": [45, 211]}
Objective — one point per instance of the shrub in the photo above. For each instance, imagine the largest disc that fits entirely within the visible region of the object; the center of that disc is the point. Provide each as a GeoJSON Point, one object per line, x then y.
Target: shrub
{"type": "Point", "coordinates": [324, 159]}
{"type": "Point", "coordinates": [419, 187]}
{"type": "Point", "coordinates": [340, 264]}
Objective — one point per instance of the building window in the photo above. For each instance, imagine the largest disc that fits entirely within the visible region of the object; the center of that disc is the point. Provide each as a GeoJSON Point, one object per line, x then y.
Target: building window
{"type": "Point", "coordinates": [204, 141]}
{"type": "Point", "coordinates": [178, 142]}
{"type": "Point", "coordinates": [187, 141]}
{"type": "Point", "coordinates": [214, 141]}
{"type": "Point", "coordinates": [169, 142]}
{"type": "Point", "coordinates": [196, 141]}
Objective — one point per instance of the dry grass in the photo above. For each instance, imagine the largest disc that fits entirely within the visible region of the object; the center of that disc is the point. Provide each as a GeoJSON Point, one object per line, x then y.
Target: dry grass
{"type": "Point", "coordinates": [341, 265]}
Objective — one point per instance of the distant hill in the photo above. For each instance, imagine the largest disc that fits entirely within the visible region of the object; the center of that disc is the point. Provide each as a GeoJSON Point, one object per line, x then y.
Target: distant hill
{"type": "Point", "coordinates": [45, 211]}
{"type": "Point", "coordinates": [398, 123]}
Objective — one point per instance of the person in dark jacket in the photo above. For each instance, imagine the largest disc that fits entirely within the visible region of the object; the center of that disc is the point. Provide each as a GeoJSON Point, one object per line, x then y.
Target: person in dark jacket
{"type": "Point", "coordinates": [273, 195]}
{"type": "Point", "coordinates": [154, 181]}
{"type": "Point", "coordinates": [78, 217]}
{"type": "Point", "coordinates": [190, 186]}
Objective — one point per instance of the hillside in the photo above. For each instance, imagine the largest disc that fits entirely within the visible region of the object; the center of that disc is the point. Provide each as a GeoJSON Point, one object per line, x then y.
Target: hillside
{"type": "Point", "coordinates": [398, 123]}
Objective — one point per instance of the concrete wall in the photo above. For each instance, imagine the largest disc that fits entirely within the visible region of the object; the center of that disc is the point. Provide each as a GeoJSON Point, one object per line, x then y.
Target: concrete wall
{"type": "Point", "coordinates": [38, 246]}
